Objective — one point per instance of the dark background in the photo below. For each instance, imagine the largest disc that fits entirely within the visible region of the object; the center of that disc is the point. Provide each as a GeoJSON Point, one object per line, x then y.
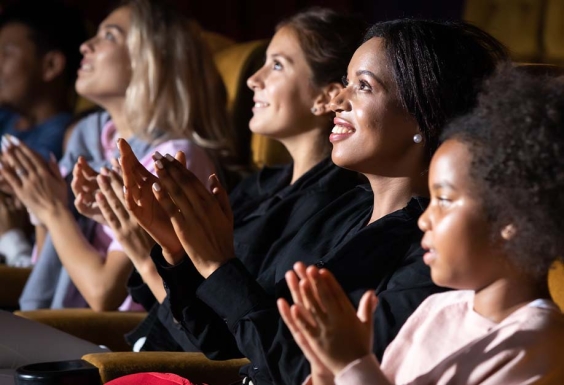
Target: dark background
{"type": "Point", "coordinates": [244, 20]}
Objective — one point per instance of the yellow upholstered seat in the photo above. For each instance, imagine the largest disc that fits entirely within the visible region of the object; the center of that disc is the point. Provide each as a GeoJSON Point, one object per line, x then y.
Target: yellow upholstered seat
{"type": "Point", "coordinates": [553, 31]}
{"type": "Point", "coordinates": [556, 284]}
{"type": "Point", "coordinates": [516, 23]}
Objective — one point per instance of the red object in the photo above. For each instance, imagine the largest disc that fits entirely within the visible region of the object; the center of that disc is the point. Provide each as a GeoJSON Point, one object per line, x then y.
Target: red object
{"type": "Point", "coordinates": [151, 378]}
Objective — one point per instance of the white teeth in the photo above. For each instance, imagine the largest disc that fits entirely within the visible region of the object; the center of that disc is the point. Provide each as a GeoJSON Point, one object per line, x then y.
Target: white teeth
{"type": "Point", "coordinates": [342, 130]}
{"type": "Point", "coordinates": [86, 67]}
{"type": "Point", "coordinates": [261, 104]}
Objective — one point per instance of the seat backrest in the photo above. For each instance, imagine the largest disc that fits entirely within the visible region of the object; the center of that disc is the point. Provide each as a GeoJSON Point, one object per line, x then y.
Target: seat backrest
{"type": "Point", "coordinates": [553, 31]}
{"type": "Point", "coordinates": [556, 284]}
{"type": "Point", "coordinates": [516, 23]}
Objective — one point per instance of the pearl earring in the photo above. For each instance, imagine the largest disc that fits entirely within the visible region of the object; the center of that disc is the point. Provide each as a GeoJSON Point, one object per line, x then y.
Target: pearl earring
{"type": "Point", "coordinates": [313, 110]}
{"type": "Point", "coordinates": [417, 138]}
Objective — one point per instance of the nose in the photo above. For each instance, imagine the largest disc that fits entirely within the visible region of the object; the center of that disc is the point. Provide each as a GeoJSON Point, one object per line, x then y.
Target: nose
{"type": "Point", "coordinates": [87, 46]}
{"type": "Point", "coordinates": [340, 102]}
{"type": "Point", "coordinates": [424, 221]}
{"type": "Point", "coordinates": [255, 81]}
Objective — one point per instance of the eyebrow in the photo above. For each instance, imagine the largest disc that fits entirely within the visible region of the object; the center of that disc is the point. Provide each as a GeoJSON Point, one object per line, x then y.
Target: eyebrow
{"type": "Point", "coordinates": [437, 186]}
{"type": "Point", "coordinates": [275, 55]}
{"type": "Point", "coordinates": [114, 26]}
{"type": "Point", "coordinates": [373, 76]}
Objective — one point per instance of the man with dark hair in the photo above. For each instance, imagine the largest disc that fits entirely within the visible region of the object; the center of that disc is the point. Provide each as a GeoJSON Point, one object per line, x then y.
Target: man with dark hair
{"type": "Point", "coordinates": [39, 58]}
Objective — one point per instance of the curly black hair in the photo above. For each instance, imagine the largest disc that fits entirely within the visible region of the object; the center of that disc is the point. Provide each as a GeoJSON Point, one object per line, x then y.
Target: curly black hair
{"type": "Point", "coordinates": [516, 138]}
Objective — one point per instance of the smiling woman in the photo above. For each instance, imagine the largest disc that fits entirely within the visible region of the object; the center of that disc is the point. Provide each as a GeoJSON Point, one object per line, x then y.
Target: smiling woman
{"type": "Point", "coordinates": [404, 83]}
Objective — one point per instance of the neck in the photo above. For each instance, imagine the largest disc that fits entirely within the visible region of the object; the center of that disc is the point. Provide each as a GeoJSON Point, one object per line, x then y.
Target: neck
{"type": "Point", "coordinates": [393, 193]}
{"type": "Point", "coordinates": [501, 298]}
{"type": "Point", "coordinates": [116, 110]}
{"type": "Point", "coordinates": [307, 149]}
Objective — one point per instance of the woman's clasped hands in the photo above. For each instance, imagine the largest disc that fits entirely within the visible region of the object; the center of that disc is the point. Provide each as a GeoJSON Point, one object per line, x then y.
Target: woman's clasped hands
{"type": "Point", "coordinates": [179, 213]}
{"type": "Point", "coordinates": [36, 183]}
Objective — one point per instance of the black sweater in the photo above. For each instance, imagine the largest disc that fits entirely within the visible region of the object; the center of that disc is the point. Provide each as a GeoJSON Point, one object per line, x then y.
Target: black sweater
{"type": "Point", "coordinates": [233, 312]}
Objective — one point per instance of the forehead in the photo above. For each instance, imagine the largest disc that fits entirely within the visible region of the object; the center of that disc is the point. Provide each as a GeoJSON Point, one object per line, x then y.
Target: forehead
{"type": "Point", "coordinates": [285, 42]}
{"type": "Point", "coordinates": [16, 32]}
{"type": "Point", "coordinates": [451, 165]}
{"type": "Point", "coordinates": [371, 56]}
{"type": "Point", "coordinates": [120, 17]}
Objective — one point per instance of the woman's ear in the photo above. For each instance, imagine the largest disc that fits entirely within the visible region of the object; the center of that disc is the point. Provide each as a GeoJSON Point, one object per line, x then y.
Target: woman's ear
{"type": "Point", "coordinates": [508, 232]}
{"type": "Point", "coordinates": [54, 63]}
{"type": "Point", "coordinates": [323, 100]}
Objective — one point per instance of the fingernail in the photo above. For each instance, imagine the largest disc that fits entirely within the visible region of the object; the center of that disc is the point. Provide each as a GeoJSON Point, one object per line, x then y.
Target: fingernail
{"type": "Point", "coordinates": [157, 155]}
{"type": "Point", "coordinates": [169, 157]}
{"type": "Point", "coordinates": [156, 187]}
{"type": "Point", "coordinates": [5, 143]}
{"type": "Point", "coordinates": [159, 164]}
{"type": "Point", "coordinates": [104, 171]}
{"type": "Point", "coordinates": [15, 141]}
{"type": "Point", "coordinates": [124, 190]}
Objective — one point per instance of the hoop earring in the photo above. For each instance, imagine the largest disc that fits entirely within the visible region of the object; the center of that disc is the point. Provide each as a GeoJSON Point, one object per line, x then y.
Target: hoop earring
{"type": "Point", "coordinates": [417, 138]}
{"type": "Point", "coordinates": [313, 110]}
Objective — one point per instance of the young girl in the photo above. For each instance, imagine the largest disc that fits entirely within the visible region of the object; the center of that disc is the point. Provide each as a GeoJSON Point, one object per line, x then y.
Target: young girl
{"type": "Point", "coordinates": [492, 231]}
{"type": "Point", "coordinates": [403, 84]}
{"type": "Point", "coordinates": [150, 70]}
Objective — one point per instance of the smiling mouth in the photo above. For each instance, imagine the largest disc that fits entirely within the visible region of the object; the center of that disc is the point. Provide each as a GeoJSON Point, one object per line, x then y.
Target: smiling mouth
{"type": "Point", "coordinates": [340, 130]}
{"type": "Point", "coordinates": [260, 105]}
{"type": "Point", "coordinates": [86, 67]}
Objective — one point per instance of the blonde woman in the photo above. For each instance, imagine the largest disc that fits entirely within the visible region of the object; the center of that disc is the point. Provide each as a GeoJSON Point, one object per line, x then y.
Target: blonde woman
{"type": "Point", "coordinates": [150, 70]}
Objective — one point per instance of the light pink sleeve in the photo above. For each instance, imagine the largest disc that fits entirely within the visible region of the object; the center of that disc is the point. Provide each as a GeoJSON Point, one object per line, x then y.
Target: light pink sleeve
{"type": "Point", "coordinates": [365, 371]}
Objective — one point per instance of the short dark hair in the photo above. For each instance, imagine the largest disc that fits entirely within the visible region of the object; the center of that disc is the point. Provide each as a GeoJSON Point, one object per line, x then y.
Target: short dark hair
{"type": "Point", "coordinates": [54, 26]}
{"type": "Point", "coordinates": [328, 40]}
{"type": "Point", "coordinates": [438, 67]}
{"type": "Point", "coordinates": [516, 138]}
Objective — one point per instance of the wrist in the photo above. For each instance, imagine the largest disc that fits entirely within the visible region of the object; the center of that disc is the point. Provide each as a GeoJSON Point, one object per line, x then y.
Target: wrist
{"type": "Point", "coordinates": [54, 214]}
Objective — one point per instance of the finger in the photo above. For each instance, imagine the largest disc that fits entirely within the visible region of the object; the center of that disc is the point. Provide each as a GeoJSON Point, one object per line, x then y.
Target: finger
{"type": "Point", "coordinates": [81, 204]}
{"type": "Point", "coordinates": [311, 301]}
{"type": "Point", "coordinates": [54, 166]}
{"type": "Point", "coordinates": [180, 195]}
{"type": "Point", "coordinates": [130, 165]}
{"type": "Point", "coordinates": [9, 175]}
{"type": "Point", "coordinates": [333, 293]}
{"type": "Point", "coordinates": [367, 306]}
{"type": "Point", "coordinates": [293, 284]}
{"type": "Point", "coordinates": [300, 269]}
{"type": "Point", "coordinates": [112, 199]}
{"type": "Point", "coordinates": [221, 195]}
{"type": "Point", "coordinates": [163, 198]}
{"type": "Point", "coordinates": [301, 341]}
{"type": "Point", "coordinates": [27, 157]}
{"type": "Point", "coordinates": [202, 201]}
{"type": "Point", "coordinates": [107, 212]}
{"type": "Point", "coordinates": [180, 157]}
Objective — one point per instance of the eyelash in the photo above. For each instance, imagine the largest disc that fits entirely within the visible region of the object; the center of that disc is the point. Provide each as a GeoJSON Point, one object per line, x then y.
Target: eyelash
{"type": "Point", "coordinates": [275, 64]}
{"type": "Point", "coordinates": [443, 202]}
{"type": "Point", "coordinates": [109, 36]}
{"type": "Point", "coordinates": [363, 85]}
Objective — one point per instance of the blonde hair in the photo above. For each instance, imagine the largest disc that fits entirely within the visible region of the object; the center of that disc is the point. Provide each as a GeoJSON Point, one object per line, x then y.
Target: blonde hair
{"type": "Point", "coordinates": [175, 89]}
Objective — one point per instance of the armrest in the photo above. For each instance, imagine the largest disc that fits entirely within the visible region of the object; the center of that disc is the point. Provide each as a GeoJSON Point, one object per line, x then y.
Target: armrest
{"type": "Point", "coordinates": [13, 281]}
{"type": "Point", "coordinates": [193, 366]}
{"type": "Point", "coordinates": [101, 328]}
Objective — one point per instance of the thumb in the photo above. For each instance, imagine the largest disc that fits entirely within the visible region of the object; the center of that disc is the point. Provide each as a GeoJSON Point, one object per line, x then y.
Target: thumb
{"type": "Point", "coordinates": [366, 307]}
{"type": "Point", "coordinates": [221, 195]}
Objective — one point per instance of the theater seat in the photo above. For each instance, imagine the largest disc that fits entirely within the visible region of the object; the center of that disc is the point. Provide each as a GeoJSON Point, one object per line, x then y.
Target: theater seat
{"type": "Point", "coordinates": [193, 366]}
{"type": "Point", "coordinates": [556, 284]}
{"type": "Point", "coordinates": [101, 328]}
{"type": "Point", "coordinates": [13, 281]}
{"type": "Point", "coordinates": [516, 23]}
{"type": "Point", "coordinates": [553, 31]}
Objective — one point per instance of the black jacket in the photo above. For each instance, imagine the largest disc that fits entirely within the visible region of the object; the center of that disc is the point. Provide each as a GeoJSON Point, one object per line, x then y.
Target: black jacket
{"type": "Point", "coordinates": [233, 314]}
